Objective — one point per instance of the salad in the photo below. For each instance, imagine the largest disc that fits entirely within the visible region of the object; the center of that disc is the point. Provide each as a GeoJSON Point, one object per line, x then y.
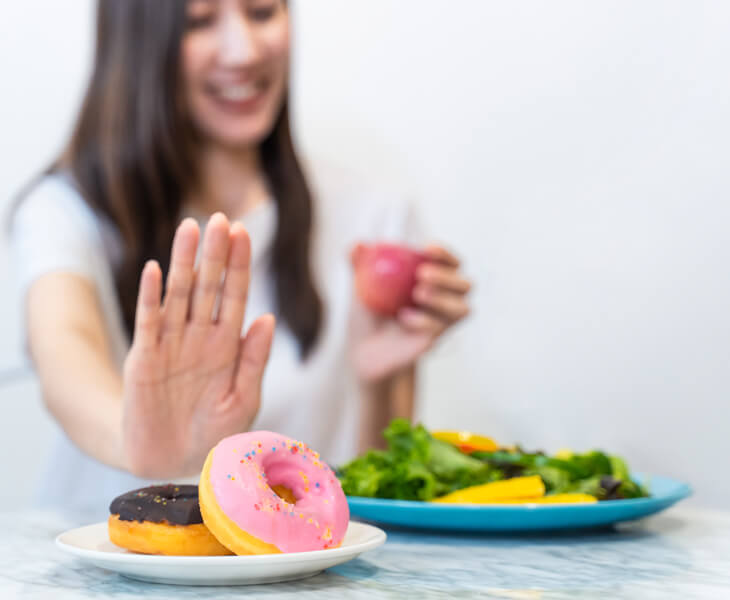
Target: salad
{"type": "Point", "coordinates": [459, 467]}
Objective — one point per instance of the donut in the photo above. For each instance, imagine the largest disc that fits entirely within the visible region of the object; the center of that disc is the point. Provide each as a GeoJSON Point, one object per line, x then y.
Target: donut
{"type": "Point", "coordinates": [264, 493]}
{"type": "Point", "coordinates": [163, 519]}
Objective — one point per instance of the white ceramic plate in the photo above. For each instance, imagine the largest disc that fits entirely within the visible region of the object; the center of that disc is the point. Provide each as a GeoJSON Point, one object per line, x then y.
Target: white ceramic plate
{"type": "Point", "coordinates": [91, 544]}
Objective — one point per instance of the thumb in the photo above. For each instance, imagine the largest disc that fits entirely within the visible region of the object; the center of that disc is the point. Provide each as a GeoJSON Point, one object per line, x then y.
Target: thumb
{"type": "Point", "coordinates": [253, 354]}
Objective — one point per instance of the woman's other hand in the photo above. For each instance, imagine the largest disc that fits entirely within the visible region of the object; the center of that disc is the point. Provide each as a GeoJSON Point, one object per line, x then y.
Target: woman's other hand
{"type": "Point", "coordinates": [190, 378]}
{"type": "Point", "coordinates": [386, 346]}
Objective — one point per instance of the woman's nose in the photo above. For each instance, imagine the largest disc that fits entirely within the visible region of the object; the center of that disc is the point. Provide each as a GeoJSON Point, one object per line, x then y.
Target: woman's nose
{"type": "Point", "coordinates": [237, 43]}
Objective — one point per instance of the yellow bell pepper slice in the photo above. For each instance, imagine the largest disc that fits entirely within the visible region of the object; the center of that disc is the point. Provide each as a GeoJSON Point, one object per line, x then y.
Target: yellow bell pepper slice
{"type": "Point", "coordinates": [518, 488]}
{"type": "Point", "coordinates": [564, 454]}
{"type": "Point", "coordinates": [554, 499]}
{"type": "Point", "coordinates": [467, 442]}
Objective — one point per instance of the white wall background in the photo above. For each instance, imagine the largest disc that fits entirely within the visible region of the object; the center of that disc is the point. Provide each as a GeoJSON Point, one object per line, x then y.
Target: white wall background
{"type": "Point", "coordinates": [576, 155]}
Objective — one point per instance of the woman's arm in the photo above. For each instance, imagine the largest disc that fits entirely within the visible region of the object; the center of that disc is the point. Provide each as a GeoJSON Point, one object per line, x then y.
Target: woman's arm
{"type": "Point", "coordinates": [80, 384]}
{"type": "Point", "coordinates": [189, 378]}
{"type": "Point", "coordinates": [383, 400]}
{"type": "Point", "coordinates": [386, 351]}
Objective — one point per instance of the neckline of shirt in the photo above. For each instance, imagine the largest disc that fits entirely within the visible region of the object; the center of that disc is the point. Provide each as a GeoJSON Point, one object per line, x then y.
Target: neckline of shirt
{"type": "Point", "coordinates": [260, 222]}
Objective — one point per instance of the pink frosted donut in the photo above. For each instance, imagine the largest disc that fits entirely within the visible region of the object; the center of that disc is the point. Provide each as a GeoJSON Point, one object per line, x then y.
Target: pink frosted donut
{"type": "Point", "coordinates": [241, 508]}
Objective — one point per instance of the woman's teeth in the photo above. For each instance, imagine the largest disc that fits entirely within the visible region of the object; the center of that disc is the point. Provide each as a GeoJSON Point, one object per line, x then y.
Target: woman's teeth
{"type": "Point", "coordinates": [238, 93]}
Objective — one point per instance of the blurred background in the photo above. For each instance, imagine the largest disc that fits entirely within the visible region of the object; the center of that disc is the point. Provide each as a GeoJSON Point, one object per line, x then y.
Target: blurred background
{"type": "Point", "coordinates": [574, 153]}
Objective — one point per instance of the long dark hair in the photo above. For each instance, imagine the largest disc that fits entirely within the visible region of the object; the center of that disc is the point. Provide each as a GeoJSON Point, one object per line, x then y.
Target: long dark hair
{"type": "Point", "coordinates": [132, 156]}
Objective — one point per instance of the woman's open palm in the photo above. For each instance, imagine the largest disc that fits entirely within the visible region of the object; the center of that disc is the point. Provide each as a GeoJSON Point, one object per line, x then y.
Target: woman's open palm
{"type": "Point", "coordinates": [190, 378]}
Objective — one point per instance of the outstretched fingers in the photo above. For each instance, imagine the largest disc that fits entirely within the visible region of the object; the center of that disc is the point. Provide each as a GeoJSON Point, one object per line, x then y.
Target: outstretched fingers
{"type": "Point", "coordinates": [148, 314]}
{"type": "Point", "coordinates": [235, 288]}
{"type": "Point", "coordinates": [180, 277]}
{"type": "Point", "coordinates": [254, 354]}
{"type": "Point", "coordinates": [207, 282]}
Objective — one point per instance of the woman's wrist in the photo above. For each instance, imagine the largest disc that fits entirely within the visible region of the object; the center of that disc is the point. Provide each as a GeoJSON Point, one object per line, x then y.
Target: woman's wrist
{"type": "Point", "coordinates": [382, 400]}
{"type": "Point", "coordinates": [377, 359]}
{"type": "Point", "coordinates": [374, 411]}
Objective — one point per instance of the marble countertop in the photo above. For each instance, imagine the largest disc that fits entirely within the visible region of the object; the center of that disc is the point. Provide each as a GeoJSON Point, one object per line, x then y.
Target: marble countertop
{"type": "Point", "coordinates": [684, 553]}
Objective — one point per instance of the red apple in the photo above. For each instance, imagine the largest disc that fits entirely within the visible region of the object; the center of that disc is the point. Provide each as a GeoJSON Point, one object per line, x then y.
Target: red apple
{"type": "Point", "coordinates": [385, 275]}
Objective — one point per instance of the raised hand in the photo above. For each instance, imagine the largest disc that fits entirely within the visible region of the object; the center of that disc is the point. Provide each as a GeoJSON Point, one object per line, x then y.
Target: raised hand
{"type": "Point", "coordinates": [190, 377]}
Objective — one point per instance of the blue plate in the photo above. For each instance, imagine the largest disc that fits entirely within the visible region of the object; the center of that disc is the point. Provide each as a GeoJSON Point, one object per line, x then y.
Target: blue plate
{"type": "Point", "coordinates": [520, 517]}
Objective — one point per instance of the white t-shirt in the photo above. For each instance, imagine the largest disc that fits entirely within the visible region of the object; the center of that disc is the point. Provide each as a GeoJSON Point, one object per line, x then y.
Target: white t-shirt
{"type": "Point", "coordinates": [314, 401]}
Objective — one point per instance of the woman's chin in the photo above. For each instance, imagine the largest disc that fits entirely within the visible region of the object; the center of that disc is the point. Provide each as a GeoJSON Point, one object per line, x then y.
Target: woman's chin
{"type": "Point", "coordinates": [239, 139]}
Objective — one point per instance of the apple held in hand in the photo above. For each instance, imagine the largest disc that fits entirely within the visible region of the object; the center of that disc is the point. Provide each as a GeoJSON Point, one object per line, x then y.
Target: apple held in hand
{"type": "Point", "coordinates": [385, 275]}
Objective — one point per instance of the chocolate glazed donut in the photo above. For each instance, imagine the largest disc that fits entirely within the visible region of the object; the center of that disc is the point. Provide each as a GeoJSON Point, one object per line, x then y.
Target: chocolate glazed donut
{"type": "Point", "coordinates": [175, 504]}
{"type": "Point", "coordinates": [162, 519]}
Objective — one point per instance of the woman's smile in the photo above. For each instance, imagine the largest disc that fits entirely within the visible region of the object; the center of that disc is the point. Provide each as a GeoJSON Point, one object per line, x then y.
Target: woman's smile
{"type": "Point", "coordinates": [238, 98]}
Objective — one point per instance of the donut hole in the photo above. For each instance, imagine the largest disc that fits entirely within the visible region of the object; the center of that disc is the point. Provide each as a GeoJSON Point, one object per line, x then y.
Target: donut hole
{"type": "Point", "coordinates": [284, 493]}
{"type": "Point", "coordinates": [284, 476]}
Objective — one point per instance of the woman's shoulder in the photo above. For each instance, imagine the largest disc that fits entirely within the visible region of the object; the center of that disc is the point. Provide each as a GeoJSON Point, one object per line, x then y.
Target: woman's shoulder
{"type": "Point", "coordinates": [52, 226]}
{"type": "Point", "coordinates": [52, 202]}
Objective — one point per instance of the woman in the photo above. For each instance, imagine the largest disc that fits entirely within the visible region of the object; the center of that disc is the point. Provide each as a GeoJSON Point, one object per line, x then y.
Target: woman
{"type": "Point", "coordinates": [186, 116]}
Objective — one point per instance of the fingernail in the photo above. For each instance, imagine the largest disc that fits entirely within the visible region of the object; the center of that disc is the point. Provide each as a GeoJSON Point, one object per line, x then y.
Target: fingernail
{"type": "Point", "coordinates": [219, 216]}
